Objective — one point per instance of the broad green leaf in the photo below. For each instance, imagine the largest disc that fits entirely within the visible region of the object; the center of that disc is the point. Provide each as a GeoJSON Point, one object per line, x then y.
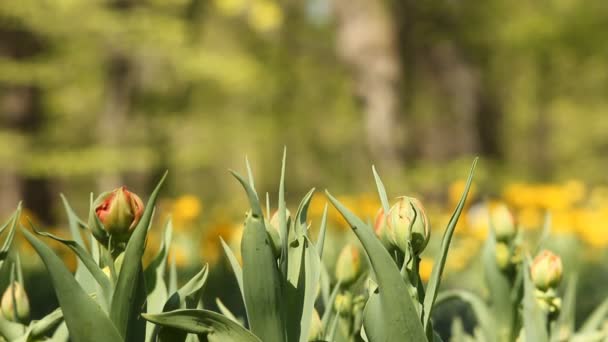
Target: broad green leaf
{"type": "Point", "coordinates": [214, 326]}
{"type": "Point", "coordinates": [86, 260]}
{"type": "Point", "coordinates": [302, 214]}
{"type": "Point", "coordinates": [395, 310]}
{"type": "Point", "coordinates": [122, 310]}
{"type": "Point", "coordinates": [61, 334]}
{"type": "Point", "coordinates": [83, 275]}
{"type": "Point", "coordinates": [479, 308]}
{"type": "Point", "coordinates": [80, 311]}
{"type": "Point", "coordinates": [261, 279]}
{"type": "Point", "coordinates": [436, 273]}
{"type": "Point", "coordinates": [534, 319]}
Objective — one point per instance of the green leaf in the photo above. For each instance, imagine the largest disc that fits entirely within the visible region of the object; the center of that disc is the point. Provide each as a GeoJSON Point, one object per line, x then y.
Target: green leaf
{"type": "Point", "coordinates": [95, 224]}
{"type": "Point", "coordinates": [435, 280]}
{"type": "Point", "coordinates": [479, 307]}
{"type": "Point", "coordinates": [381, 191]}
{"type": "Point", "coordinates": [283, 228]}
{"type": "Point", "coordinates": [394, 310]}
{"type": "Point", "coordinates": [10, 330]}
{"type": "Point", "coordinates": [596, 318]}
{"type": "Point", "coordinates": [123, 310]}
{"type": "Point", "coordinates": [85, 319]}
{"type": "Point", "coordinates": [86, 259]}
{"type": "Point", "coordinates": [214, 326]}
{"type": "Point", "coordinates": [312, 272]}
{"type": "Point", "coordinates": [564, 328]}
{"type": "Point", "coordinates": [83, 275]}
{"type": "Point", "coordinates": [261, 280]}
{"type": "Point", "coordinates": [322, 232]}
{"type": "Point", "coordinates": [47, 323]}
{"type": "Point", "coordinates": [155, 278]}
{"type": "Point", "coordinates": [226, 312]}
{"type": "Point", "coordinates": [534, 319]}
{"type": "Point", "coordinates": [302, 214]}
{"type": "Point", "coordinates": [12, 224]}
{"type": "Point", "coordinates": [236, 269]}
{"type": "Point", "coordinates": [329, 306]}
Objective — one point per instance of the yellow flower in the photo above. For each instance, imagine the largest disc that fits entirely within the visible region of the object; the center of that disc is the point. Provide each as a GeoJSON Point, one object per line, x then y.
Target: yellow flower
{"type": "Point", "coordinates": [265, 15]}
{"type": "Point", "coordinates": [186, 209]}
{"type": "Point", "coordinates": [425, 268]}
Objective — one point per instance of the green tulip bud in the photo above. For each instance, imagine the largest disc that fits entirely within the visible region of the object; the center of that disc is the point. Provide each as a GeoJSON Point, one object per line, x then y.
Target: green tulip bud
{"type": "Point", "coordinates": [273, 231]}
{"type": "Point", "coordinates": [546, 270]}
{"type": "Point", "coordinates": [344, 304]}
{"type": "Point", "coordinates": [119, 211]}
{"type": "Point", "coordinates": [15, 296]}
{"type": "Point", "coordinates": [409, 223]}
{"type": "Point", "coordinates": [502, 222]}
{"type": "Point", "coordinates": [348, 266]}
{"type": "Point", "coordinates": [316, 327]}
{"type": "Point", "coordinates": [503, 255]}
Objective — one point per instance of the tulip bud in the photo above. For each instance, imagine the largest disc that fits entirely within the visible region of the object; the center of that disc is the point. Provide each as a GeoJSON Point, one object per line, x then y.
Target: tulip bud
{"type": "Point", "coordinates": [316, 327]}
{"type": "Point", "coordinates": [15, 294]}
{"type": "Point", "coordinates": [119, 211]}
{"type": "Point", "coordinates": [503, 255]}
{"type": "Point", "coordinates": [348, 266]}
{"type": "Point", "coordinates": [502, 222]}
{"type": "Point", "coordinates": [274, 231]}
{"type": "Point", "coordinates": [382, 230]}
{"type": "Point", "coordinates": [410, 224]}
{"type": "Point", "coordinates": [344, 303]}
{"type": "Point", "coordinates": [546, 270]}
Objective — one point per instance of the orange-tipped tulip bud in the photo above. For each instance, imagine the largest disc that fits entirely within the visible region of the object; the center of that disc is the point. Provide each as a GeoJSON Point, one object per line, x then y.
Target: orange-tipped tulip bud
{"type": "Point", "coordinates": [409, 223]}
{"type": "Point", "coordinates": [348, 266]}
{"type": "Point", "coordinates": [546, 270]}
{"type": "Point", "coordinates": [119, 211]}
{"type": "Point", "coordinates": [382, 230]}
{"type": "Point", "coordinates": [15, 296]}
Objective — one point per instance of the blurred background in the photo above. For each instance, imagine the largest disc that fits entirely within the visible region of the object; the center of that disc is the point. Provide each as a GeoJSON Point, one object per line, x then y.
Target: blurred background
{"type": "Point", "coordinates": [96, 94]}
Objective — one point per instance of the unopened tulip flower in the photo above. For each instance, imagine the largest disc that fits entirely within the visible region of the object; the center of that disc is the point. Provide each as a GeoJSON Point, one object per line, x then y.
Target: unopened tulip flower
{"type": "Point", "coordinates": [546, 270]}
{"type": "Point", "coordinates": [15, 294]}
{"type": "Point", "coordinates": [348, 266]}
{"type": "Point", "coordinates": [119, 211]}
{"type": "Point", "coordinates": [316, 327]}
{"type": "Point", "coordinates": [382, 230]}
{"type": "Point", "coordinates": [409, 223]}
{"type": "Point", "coordinates": [502, 222]}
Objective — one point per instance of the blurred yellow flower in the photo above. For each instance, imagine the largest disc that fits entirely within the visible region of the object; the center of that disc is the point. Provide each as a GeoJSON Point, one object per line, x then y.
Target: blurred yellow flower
{"type": "Point", "coordinates": [186, 209]}
{"type": "Point", "coordinates": [265, 15]}
{"type": "Point", "coordinates": [211, 248]}
{"type": "Point", "coordinates": [425, 268]}
{"type": "Point", "coordinates": [231, 7]}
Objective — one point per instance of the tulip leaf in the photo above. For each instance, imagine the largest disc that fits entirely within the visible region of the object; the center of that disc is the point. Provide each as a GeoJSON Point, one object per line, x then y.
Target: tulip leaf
{"type": "Point", "coordinates": [47, 323]}
{"type": "Point", "coordinates": [479, 307]}
{"type": "Point", "coordinates": [302, 214]}
{"type": "Point", "coordinates": [564, 329]}
{"type": "Point", "coordinates": [215, 327]}
{"type": "Point", "coordinates": [85, 319]}
{"type": "Point", "coordinates": [596, 318]}
{"type": "Point", "coordinates": [226, 312]}
{"type": "Point", "coordinates": [10, 330]}
{"type": "Point", "coordinates": [83, 275]}
{"type": "Point", "coordinates": [61, 334]}
{"type": "Point", "coordinates": [312, 273]}
{"type": "Point", "coordinates": [187, 297]}
{"type": "Point", "coordinates": [283, 228]}
{"type": "Point", "coordinates": [261, 280]}
{"type": "Point", "coordinates": [322, 232]}
{"type": "Point", "coordinates": [436, 273]}
{"type": "Point", "coordinates": [534, 319]}
{"type": "Point", "coordinates": [12, 227]}
{"type": "Point", "coordinates": [86, 259]}
{"type": "Point", "coordinates": [329, 305]}
{"type": "Point", "coordinates": [381, 191]}
{"type": "Point", "coordinates": [95, 224]}
{"type": "Point", "coordinates": [155, 278]}
{"type": "Point", "coordinates": [236, 269]}
{"type": "Point", "coordinates": [393, 310]}
{"type": "Point", "coordinates": [123, 309]}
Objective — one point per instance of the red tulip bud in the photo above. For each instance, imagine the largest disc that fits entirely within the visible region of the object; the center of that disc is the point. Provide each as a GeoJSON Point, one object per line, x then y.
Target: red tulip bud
{"type": "Point", "coordinates": [119, 211]}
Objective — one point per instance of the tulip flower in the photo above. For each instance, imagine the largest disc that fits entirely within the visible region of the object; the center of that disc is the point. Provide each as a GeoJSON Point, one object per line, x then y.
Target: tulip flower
{"type": "Point", "coordinates": [119, 211]}
{"type": "Point", "coordinates": [502, 222]}
{"type": "Point", "coordinates": [348, 266]}
{"type": "Point", "coordinates": [15, 296]}
{"type": "Point", "coordinates": [409, 224]}
{"type": "Point", "coordinates": [546, 270]}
